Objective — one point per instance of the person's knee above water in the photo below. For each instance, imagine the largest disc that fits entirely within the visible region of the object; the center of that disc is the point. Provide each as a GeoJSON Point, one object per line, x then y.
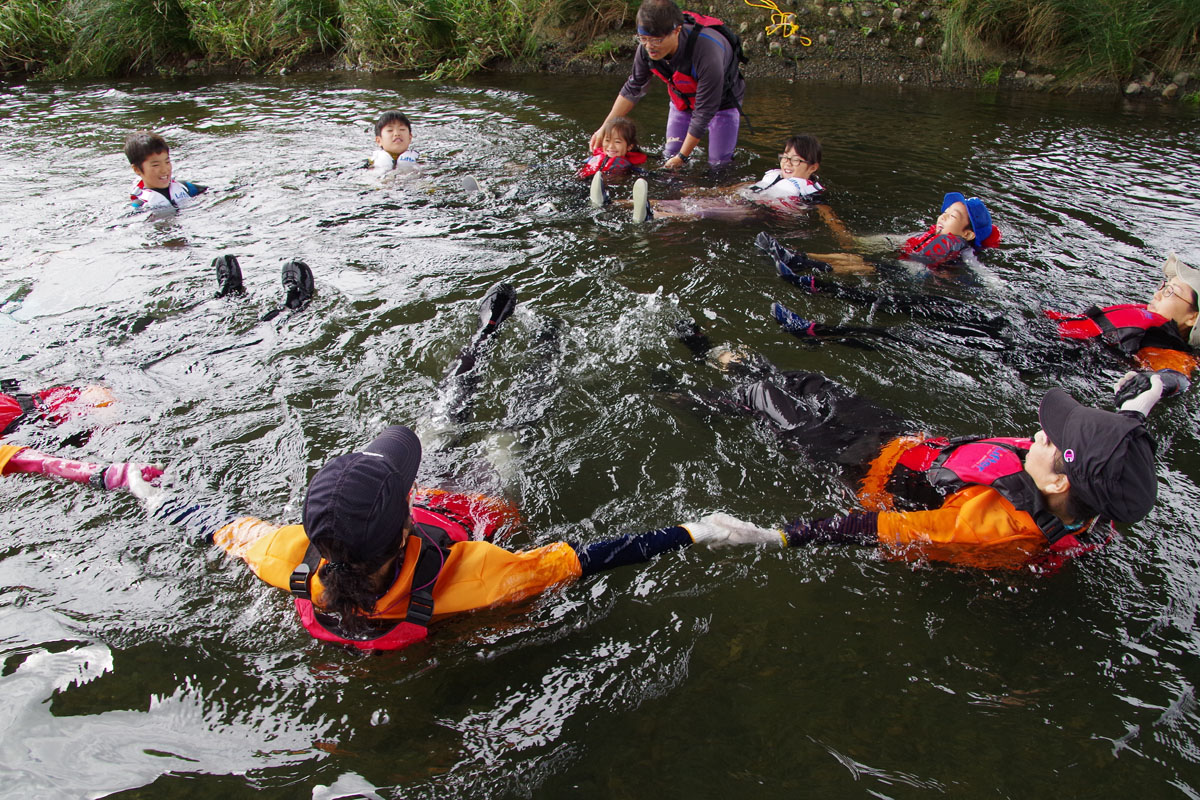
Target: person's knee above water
{"type": "Point", "coordinates": [393, 138]}
{"type": "Point", "coordinates": [155, 188]}
{"type": "Point", "coordinates": [618, 152]}
{"type": "Point", "coordinates": [964, 225]}
{"type": "Point", "coordinates": [698, 58]}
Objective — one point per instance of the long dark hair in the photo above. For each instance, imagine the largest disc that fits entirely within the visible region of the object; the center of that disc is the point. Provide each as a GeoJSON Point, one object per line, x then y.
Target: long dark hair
{"type": "Point", "coordinates": [349, 589]}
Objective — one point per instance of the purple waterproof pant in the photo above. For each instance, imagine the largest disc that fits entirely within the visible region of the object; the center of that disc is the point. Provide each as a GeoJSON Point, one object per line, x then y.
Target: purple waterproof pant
{"type": "Point", "coordinates": [722, 133]}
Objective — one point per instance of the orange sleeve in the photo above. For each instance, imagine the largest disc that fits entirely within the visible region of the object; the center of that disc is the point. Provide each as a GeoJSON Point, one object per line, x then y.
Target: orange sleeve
{"type": "Point", "coordinates": [271, 551]}
{"type": "Point", "coordinates": [1160, 358]}
{"type": "Point", "coordinates": [7, 451]}
{"type": "Point", "coordinates": [975, 526]}
{"type": "Point", "coordinates": [480, 574]}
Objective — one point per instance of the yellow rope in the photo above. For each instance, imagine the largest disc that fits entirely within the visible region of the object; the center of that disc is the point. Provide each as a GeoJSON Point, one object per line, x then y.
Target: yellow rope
{"type": "Point", "coordinates": [781, 21]}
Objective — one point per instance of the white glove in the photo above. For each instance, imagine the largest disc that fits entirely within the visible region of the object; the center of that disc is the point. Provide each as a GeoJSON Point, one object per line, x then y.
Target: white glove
{"type": "Point", "coordinates": [139, 487]}
{"type": "Point", "coordinates": [1144, 402]}
{"type": "Point", "coordinates": [721, 530]}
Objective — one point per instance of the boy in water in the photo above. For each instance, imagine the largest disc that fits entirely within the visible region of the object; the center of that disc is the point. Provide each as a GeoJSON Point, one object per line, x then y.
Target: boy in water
{"type": "Point", "coordinates": [393, 136]}
{"type": "Point", "coordinates": [155, 188]}
{"type": "Point", "coordinates": [964, 225]}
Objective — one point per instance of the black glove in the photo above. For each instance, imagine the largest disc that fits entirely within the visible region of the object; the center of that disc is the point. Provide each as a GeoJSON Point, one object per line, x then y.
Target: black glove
{"type": "Point", "coordinates": [1135, 383]}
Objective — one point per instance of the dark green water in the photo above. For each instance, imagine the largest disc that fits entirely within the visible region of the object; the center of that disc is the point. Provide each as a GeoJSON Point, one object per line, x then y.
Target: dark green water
{"type": "Point", "coordinates": [140, 665]}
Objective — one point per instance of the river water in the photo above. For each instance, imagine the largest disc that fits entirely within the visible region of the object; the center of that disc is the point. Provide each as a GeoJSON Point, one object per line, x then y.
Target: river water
{"type": "Point", "coordinates": [138, 664]}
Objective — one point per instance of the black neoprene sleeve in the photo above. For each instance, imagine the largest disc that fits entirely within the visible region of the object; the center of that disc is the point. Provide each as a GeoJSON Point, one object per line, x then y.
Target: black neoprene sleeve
{"type": "Point", "coordinates": [632, 548]}
{"type": "Point", "coordinates": [854, 528]}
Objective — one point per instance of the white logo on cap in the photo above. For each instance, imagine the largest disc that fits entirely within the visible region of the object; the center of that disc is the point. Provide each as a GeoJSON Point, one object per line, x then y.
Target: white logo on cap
{"type": "Point", "coordinates": [369, 453]}
{"type": "Point", "coordinates": [1068, 455]}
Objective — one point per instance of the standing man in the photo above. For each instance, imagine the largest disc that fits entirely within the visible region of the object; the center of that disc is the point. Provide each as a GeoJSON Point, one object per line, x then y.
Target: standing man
{"type": "Point", "coordinates": [699, 59]}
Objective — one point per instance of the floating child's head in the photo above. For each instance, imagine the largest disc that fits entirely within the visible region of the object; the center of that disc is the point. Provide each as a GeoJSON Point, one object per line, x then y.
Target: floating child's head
{"type": "Point", "coordinates": [1095, 461]}
{"type": "Point", "coordinates": [393, 133]}
{"type": "Point", "coordinates": [801, 157]}
{"type": "Point", "coordinates": [150, 158]}
{"type": "Point", "coordinates": [968, 219]}
{"type": "Point", "coordinates": [1178, 298]}
{"type": "Point", "coordinates": [619, 137]}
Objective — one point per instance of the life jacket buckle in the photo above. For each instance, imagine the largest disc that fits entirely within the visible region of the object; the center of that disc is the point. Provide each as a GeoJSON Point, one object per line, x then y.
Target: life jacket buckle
{"type": "Point", "coordinates": [298, 583]}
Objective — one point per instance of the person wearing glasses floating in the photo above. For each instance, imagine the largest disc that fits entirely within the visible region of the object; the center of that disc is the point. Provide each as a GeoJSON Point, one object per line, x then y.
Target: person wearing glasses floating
{"type": "Point", "coordinates": [790, 187]}
{"type": "Point", "coordinates": [698, 57]}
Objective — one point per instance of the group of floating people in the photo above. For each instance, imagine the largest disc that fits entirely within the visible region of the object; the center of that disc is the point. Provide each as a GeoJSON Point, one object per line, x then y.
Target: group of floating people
{"type": "Point", "coordinates": [376, 558]}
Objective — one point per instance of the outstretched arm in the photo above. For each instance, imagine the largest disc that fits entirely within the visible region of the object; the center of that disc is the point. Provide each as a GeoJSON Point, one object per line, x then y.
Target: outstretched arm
{"type": "Point", "coordinates": [715, 530]}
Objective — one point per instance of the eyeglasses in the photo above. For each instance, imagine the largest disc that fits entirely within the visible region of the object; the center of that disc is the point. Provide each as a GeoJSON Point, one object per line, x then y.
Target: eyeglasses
{"type": "Point", "coordinates": [1168, 289]}
{"type": "Point", "coordinates": [652, 41]}
{"type": "Point", "coordinates": [795, 161]}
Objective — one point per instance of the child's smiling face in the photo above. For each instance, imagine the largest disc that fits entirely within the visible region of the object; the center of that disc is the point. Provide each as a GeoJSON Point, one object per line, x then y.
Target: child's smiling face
{"type": "Point", "coordinates": [955, 220]}
{"type": "Point", "coordinates": [155, 171]}
{"type": "Point", "coordinates": [394, 138]}
{"type": "Point", "coordinates": [793, 166]}
{"type": "Point", "coordinates": [614, 145]}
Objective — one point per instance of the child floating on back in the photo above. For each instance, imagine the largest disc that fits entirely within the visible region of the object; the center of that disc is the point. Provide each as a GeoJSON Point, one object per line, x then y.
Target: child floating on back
{"type": "Point", "coordinates": [393, 136]}
{"type": "Point", "coordinates": [155, 188]}
{"type": "Point", "coordinates": [963, 226]}
{"type": "Point", "coordinates": [790, 187]}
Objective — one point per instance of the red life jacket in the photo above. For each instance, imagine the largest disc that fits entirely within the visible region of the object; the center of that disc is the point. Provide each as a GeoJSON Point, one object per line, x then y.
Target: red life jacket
{"type": "Point", "coordinates": [602, 163]}
{"type": "Point", "coordinates": [681, 80]}
{"type": "Point", "coordinates": [933, 249]}
{"type": "Point", "coordinates": [1128, 328]}
{"type": "Point", "coordinates": [12, 410]}
{"type": "Point", "coordinates": [950, 464]}
{"type": "Point", "coordinates": [438, 531]}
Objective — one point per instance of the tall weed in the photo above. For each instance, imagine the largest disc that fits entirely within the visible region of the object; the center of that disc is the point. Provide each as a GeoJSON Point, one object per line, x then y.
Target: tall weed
{"type": "Point", "coordinates": [443, 38]}
{"type": "Point", "coordinates": [33, 33]}
{"type": "Point", "coordinates": [118, 36]}
{"type": "Point", "coordinates": [265, 33]}
{"type": "Point", "coordinates": [1088, 38]}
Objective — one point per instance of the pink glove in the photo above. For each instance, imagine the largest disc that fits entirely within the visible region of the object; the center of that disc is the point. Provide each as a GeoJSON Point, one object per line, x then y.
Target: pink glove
{"type": "Point", "coordinates": [117, 475]}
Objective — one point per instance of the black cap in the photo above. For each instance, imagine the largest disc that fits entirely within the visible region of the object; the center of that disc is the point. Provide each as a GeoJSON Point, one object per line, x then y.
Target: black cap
{"type": "Point", "coordinates": [361, 499]}
{"type": "Point", "coordinates": [1109, 457]}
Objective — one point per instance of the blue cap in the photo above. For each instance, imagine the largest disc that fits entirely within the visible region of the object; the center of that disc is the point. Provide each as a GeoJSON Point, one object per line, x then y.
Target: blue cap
{"type": "Point", "coordinates": [981, 220]}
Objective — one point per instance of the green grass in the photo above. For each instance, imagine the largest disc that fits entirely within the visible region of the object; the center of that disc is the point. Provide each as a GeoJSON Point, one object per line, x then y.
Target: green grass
{"type": "Point", "coordinates": [33, 34]}
{"type": "Point", "coordinates": [1112, 39]}
{"type": "Point", "coordinates": [441, 38]}
{"type": "Point", "coordinates": [991, 77]}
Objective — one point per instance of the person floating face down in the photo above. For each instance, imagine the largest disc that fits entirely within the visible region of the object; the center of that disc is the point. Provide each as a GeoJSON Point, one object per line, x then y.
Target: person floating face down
{"type": "Point", "coordinates": [979, 501]}
{"type": "Point", "coordinates": [963, 225]}
{"type": "Point", "coordinates": [698, 58]}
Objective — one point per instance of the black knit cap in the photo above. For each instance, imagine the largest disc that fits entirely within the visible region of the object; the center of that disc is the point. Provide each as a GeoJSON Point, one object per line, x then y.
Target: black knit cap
{"type": "Point", "coordinates": [1109, 457]}
{"type": "Point", "coordinates": [361, 499]}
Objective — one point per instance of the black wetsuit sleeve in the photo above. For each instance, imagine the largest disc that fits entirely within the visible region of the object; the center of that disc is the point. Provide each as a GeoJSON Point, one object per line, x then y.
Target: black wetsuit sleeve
{"type": "Point", "coordinates": [198, 520]}
{"type": "Point", "coordinates": [631, 549]}
{"type": "Point", "coordinates": [860, 528]}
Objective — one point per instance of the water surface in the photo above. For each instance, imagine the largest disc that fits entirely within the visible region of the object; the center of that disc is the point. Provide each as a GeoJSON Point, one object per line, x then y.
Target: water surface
{"type": "Point", "coordinates": [137, 664]}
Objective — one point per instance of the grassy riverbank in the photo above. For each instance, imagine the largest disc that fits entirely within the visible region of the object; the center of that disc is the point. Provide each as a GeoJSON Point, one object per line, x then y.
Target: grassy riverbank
{"type": "Point", "coordinates": [974, 40]}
